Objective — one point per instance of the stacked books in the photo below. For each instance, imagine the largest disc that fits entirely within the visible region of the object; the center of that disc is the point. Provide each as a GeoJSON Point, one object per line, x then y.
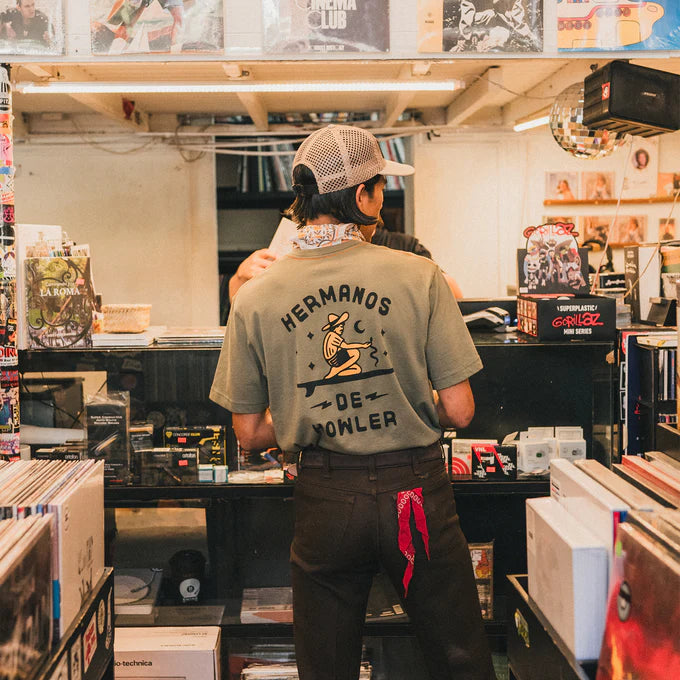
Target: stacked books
{"type": "Point", "coordinates": [191, 337]}
{"type": "Point", "coordinates": [143, 339]}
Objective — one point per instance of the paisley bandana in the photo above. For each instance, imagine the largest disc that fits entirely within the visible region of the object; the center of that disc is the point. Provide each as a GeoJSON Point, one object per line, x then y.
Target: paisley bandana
{"type": "Point", "coordinates": [320, 235]}
{"type": "Point", "coordinates": [413, 498]}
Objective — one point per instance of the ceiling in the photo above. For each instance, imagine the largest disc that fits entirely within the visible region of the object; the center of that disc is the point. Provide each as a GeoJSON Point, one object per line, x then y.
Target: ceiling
{"type": "Point", "coordinates": [497, 92]}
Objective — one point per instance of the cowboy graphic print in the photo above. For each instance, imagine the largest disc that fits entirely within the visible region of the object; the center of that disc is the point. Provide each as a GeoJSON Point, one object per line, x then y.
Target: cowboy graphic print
{"type": "Point", "coordinates": [340, 355]}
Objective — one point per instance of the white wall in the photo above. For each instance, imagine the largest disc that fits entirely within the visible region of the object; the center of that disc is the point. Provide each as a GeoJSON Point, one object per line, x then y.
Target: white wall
{"type": "Point", "coordinates": [149, 218]}
{"type": "Point", "coordinates": [476, 193]}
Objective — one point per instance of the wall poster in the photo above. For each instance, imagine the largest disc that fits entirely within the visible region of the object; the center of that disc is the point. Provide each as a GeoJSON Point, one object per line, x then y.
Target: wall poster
{"type": "Point", "coordinates": [480, 25]}
{"type": "Point", "coordinates": [326, 25]}
{"type": "Point", "coordinates": [32, 27]}
{"type": "Point", "coordinates": [615, 25]}
{"type": "Point", "coordinates": [156, 26]}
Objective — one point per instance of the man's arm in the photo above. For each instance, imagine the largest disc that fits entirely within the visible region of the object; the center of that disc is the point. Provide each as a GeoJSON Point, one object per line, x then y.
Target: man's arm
{"type": "Point", "coordinates": [254, 264]}
{"type": "Point", "coordinates": [254, 430]}
{"type": "Point", "coordinates": [455, 405]}
{"type": "Point", "coordinates": [455, 288]}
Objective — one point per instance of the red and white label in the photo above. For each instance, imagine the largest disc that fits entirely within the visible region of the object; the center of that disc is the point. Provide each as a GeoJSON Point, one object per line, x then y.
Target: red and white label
{"type": "Point", "coordinates": [606, 90]}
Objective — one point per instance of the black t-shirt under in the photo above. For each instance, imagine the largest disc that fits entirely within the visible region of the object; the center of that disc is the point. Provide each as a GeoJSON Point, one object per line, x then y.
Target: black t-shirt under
{"type": "Point", "coordinates": [399, 241]}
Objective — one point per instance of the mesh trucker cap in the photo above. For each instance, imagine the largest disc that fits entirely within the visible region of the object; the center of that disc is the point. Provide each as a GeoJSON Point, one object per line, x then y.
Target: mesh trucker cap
{"type": "Point", "coordinates": [341, 156]}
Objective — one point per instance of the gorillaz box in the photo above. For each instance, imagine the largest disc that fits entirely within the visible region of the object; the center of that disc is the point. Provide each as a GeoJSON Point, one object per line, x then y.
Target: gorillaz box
{"type": "Point", "coordinates": [583, 317]}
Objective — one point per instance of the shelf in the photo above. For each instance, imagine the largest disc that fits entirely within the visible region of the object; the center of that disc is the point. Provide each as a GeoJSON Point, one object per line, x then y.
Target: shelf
{"type": "Point", "coordinates": [612, 201]}
{"type": "Point", "coordinates": [128, 495]}
{"type": "Point", "coordinates": [88, 643]}
{"type": "Point", "coordinates": [193, 615]}
{"type": "Point", "coordinates": [533, 643]}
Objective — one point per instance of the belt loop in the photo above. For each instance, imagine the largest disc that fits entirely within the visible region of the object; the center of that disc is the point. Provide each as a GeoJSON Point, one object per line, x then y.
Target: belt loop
{"type": "Point", "coordinates": [415, 462]}
{"type": "Point", "coordinates": [372, 476]}
{"type": "Point", "coordinates": [326, 464]}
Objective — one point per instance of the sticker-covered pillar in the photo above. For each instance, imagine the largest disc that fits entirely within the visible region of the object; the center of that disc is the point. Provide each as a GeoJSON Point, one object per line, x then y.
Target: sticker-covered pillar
{"type": "Point", "coordinates": [9, 363]}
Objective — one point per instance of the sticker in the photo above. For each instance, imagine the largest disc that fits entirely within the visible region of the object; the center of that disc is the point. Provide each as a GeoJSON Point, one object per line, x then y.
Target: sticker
{"type": "Point", "coordinates": [109, 622]}
{"type": "Point", "coordinates": [61, 671]}
{"type": "Point", "coordinates": [101, 617]}
{"type": "Point", "coordinates": [9, 401]}
{"type": "Point", "coordinates": [623, 602]}
{"type": "Point", "coordinates": [6, 149]}
{"type": "Point", "coordinates": [7, 185]}
{"type": "Point", "coordinates": [606, 91]}
{"type": "Point", "coordinates": [76, 659]}
{"type": "Point", "coordinates": [6, 121]}
{"type": "Point", "coordinates": [8, 214]}
{"type": "Point", "coordinates": [522, 627]}
{"type": "Point", "coordinates": [89, 642]}
{"type": "Point", "coordinates": [5, 91]}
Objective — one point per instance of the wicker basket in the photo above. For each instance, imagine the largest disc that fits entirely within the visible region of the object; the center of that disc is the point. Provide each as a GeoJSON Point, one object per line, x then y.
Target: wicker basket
{"type": "Point", "coordinates": [126, 318]}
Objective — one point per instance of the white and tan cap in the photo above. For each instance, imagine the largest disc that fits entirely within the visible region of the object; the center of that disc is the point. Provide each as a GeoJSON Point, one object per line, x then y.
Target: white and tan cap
{"type": "Point", "coordinates": [341, 156]}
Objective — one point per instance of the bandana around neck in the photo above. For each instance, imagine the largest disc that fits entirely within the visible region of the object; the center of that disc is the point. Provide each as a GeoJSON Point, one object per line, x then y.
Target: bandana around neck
{"type": "Point", "coordinates": [320, 235]}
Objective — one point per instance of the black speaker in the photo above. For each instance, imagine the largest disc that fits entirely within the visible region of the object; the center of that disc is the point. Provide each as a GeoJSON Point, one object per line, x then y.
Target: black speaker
{"type": "Point", "coordinates": [623, 97]}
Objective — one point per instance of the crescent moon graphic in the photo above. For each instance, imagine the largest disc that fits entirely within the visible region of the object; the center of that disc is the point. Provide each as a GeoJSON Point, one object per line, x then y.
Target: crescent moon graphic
{"type": "Point", "coordinates": [358, 328]}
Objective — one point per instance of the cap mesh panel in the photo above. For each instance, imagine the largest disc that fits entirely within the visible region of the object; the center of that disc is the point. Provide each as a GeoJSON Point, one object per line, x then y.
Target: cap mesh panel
{"type": "Point", "coordinates": [340, 157]}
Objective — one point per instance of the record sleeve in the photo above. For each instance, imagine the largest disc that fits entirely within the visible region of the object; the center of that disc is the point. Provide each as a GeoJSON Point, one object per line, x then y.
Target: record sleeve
{"type": "Point", "coordinates": [326, 25]}
{"type": "Point", "coordinates": [480, 25]}
{"type": "Point", "coordinates": [156, 26]}
{"type": "Point", "coordinates": [32, 27]}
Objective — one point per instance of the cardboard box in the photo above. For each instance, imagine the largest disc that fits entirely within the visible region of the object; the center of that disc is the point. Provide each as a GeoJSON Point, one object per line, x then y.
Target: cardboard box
{"type": "Point", "coordinates": [458, 454]}
{"type": "Point", "coordinates": [586, 317]}
{"type": "Point", "coordinates": [590, 503]}
{"type": "Point", "coordinates": [567, 567]}
{"type": "Point", "coordinates": [494, 462]}
{"type": "Point", "coordinates": [534, 455]}
{"type": "Point", "coordinates": [168, 466]}
{"type": "Point", "coordinates": [190, 653]}
{"type": "Point", "coordinates": [209, 440]}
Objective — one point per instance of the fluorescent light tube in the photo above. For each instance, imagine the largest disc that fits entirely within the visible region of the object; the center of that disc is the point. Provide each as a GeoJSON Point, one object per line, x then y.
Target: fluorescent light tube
{"type": "Point", "coordinates": [93, 87]}
{"type": "Point", "coordinates": [533, 123]}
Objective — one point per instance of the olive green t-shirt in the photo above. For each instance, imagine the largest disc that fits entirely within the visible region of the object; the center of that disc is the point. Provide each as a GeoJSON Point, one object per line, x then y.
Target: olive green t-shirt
{"type": "Point", "coordinates": [344, 344]}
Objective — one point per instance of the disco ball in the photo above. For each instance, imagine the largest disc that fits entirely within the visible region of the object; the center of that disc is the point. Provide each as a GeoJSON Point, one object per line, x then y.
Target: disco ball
{"type": "Point", "coordinates": [566, 125]}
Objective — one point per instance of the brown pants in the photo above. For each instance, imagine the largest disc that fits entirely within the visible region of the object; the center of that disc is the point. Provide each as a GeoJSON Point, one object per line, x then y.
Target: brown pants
{"type": "Point", "coordinates": [346, 527]}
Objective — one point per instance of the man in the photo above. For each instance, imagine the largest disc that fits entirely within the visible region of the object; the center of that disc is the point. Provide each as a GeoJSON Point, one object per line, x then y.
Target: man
{"type": "Point", "coordinates": [368, 434]}
{"type": "Point", "coordinates": [25, 23]}
{"type": "Point", "coordinates": [261, 259]}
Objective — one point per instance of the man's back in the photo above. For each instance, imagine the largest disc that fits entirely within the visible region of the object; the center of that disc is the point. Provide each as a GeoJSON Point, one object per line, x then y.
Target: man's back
{"type": "Point", "coordinates": [349, 338]}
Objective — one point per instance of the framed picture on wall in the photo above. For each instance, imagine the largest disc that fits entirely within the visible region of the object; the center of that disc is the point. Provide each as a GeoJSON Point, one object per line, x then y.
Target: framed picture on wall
{"type": "Point", "coordinates": [668, 183]}
{"type": "Point", "coordinates": [594, 228]}
{"type": "Point", "coordinates": [596, 186]}
{"type": "Point", "coordinates": [163, 27]}
{"type": "Point", "coordinates": [630, 229]}
{"type": "Point", "coordinates": [32, 27]}
{"type": "Point", "coordinates": [312, 26]}
{"type": "Point", "coordinates": [641, 177]}
{"type": "Point", "coordinates": [480, 25]}
{"type": "Point", "coordinates": [561, 186]}
{"type": "Point", "coordinates": [666, 229]}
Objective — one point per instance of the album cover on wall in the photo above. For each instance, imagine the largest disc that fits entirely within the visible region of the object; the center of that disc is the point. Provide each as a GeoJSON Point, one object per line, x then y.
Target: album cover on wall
{"type": "Point", "coordinates": [597, 186]}
{"type": "Point", "coordinates": [480, 25]}
{"type": "Point", "coordinates": [561, 186]}
{"type": "Point", "coordinates": [641, 180]}
{"type": "Point", "coordinates": [32, 27]}
{"type": "Point", "coordinates": [611, 25]}
{"type": "Point", "coordinates": [156, 26]}
{"type": "Point", "coordinates": [322, 26]}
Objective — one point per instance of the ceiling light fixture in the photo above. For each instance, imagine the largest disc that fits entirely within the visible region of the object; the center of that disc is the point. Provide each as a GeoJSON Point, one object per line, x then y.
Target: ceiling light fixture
{"type": "Point", "coordinates": [93, 87]}
{"type": "Point", "coordinates": [531, 123]}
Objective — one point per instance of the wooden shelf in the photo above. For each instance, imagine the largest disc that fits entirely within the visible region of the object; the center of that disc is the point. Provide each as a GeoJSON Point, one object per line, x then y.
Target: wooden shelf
{"type": "Point", "coordinates": [612, 201]}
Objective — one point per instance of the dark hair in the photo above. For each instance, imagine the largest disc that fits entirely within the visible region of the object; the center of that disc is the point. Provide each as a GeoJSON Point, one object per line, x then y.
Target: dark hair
{"type": "Point", "coordinates": [341, 205]}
